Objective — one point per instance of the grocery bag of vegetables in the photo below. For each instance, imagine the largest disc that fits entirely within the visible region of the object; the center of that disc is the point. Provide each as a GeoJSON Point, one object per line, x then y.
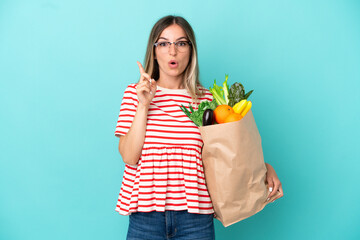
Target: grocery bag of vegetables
{"type": "Point", "coordinates": [235, 171]}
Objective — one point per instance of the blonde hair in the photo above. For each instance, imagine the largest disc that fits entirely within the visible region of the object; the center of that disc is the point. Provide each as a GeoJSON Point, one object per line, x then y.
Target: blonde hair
{"type": "Point", "coordinates": [191, 74]}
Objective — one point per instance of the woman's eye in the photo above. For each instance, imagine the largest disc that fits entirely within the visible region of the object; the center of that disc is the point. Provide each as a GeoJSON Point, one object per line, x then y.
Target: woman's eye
{"type": "Point", "coordinates": [182, 43]}
{"type": "Point", "coordinates": [163, 44]}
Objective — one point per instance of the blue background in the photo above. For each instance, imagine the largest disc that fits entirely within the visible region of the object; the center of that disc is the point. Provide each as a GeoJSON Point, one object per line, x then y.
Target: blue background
{"type": "Point", "coordinates": [64, 66]}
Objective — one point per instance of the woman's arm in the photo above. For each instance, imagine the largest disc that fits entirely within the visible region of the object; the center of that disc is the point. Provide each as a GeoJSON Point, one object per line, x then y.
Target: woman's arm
{"type": "Point", "coordinates": [131, 144]}
{"type": "Point", "coordinates": [274, 183]}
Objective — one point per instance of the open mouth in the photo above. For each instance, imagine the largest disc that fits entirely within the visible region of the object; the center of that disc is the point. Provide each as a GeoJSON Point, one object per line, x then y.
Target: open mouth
{"type": "Point", "coordinates": [173, 63]}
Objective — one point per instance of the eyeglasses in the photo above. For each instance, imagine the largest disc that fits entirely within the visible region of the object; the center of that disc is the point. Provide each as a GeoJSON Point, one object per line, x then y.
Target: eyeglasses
{"type": "Point", "coordinates": [181, 46]}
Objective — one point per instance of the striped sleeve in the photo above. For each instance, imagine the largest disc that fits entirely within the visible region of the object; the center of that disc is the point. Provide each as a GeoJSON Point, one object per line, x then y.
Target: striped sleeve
{"type": "Point", "coordinates": [127, 110]}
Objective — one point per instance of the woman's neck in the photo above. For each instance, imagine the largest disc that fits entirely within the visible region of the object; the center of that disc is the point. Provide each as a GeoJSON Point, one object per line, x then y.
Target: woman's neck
{"type": "Point", "coordinates": [171, 82]}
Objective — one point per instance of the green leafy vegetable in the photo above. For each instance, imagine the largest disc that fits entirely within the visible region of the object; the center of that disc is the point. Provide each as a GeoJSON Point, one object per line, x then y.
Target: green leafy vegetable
{"type": "Point", "coordinates": [197, 116]}
{"type": "Point", "coordinates": [237, 93]}
{"type": "Point", "coordinates": [248, 94]}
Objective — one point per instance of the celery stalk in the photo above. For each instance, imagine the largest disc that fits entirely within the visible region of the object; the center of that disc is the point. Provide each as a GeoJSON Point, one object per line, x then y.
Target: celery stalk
{"type": "Point", "coordinates": [226, 89]}
{"type": "Point", "coordinates": [218, 93]}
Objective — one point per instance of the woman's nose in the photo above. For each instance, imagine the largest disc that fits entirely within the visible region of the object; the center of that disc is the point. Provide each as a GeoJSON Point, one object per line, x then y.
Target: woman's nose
{"type": "Point", "coordinates": [172, 49]}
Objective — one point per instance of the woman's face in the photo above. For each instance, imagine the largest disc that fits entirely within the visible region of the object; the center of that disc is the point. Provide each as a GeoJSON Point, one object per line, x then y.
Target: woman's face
{"type": "Point", "coordinates": [167, 56]}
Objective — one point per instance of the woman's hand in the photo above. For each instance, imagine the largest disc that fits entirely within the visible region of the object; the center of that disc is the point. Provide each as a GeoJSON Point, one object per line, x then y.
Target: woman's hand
{"type": "Point", "coordinates": [274, 183]}
{"type": "Point", "coordinates": [146, 88]}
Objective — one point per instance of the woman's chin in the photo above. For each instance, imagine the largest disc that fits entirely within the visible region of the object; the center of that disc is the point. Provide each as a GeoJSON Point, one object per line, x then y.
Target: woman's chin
{"type": "Point", "coordinates": [174, 72]}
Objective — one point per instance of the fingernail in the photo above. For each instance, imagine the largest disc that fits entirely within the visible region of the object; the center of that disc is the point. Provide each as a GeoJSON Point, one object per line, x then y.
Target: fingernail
{"type": "Point", "coordinates": [270, 189]}
{"type": "Point", "coordinates": [268, 199]}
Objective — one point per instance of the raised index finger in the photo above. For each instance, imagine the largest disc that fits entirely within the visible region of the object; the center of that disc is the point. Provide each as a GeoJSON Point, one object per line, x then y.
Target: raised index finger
{"type": "Point", "coordinates": [140, 67]}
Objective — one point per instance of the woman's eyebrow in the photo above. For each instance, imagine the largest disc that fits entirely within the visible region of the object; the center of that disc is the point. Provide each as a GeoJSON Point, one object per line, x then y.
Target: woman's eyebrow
{"type": "Point", "coordinates": [168, 39]}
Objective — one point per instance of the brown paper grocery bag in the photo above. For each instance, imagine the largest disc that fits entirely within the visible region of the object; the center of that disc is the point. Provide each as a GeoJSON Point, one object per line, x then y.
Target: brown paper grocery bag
{"type": "Point", "coordinates": [235, 170]}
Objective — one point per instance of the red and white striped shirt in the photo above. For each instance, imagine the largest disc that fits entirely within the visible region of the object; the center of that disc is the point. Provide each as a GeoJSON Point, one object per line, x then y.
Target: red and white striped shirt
{"type": "Point", "coordinates": [169, 174]}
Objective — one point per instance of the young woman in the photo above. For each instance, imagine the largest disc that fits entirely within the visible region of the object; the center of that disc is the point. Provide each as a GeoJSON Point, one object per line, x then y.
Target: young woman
{"type": "Point", "coordinates": [163, 189]}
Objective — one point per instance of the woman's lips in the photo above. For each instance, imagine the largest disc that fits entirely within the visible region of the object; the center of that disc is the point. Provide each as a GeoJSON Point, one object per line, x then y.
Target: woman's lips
{"type": "Point", "coordinates": [173, 64]}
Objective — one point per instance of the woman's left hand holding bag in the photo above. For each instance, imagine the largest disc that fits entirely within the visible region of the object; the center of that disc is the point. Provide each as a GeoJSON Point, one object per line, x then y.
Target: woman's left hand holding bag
{"type": "Point", "coordinates": [274, 184]}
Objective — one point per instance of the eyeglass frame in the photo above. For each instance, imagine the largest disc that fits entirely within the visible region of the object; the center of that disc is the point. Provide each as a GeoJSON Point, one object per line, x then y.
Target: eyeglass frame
{"type": "Point", "coordinates": [175, 43]}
